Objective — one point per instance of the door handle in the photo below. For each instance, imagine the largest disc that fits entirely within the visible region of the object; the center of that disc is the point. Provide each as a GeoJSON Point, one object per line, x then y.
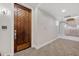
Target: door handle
{"type": "Point", "coordinates": [14, 34]}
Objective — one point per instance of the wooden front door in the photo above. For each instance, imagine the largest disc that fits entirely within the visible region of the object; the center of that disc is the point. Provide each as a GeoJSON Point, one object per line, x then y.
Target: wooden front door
{"type": "Point", "coordinates": [22, 27]}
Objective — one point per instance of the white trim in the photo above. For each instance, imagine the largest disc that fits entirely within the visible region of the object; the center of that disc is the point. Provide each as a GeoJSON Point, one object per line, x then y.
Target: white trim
{"type": "Point", "coordinates": [34, 18]}
{"type": "Point", "coordinates": [32, 28]}
{"type": "Point", "coordinates": [69, 38]}
{"type": "Point", "coordinates": [38, 47]}
{"type": "Point", "coordinates": [12, 39]}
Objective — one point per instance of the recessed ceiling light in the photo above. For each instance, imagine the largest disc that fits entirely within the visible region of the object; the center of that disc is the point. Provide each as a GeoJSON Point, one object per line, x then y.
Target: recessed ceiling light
{"type": "Point", "coordinates": [63, 10]}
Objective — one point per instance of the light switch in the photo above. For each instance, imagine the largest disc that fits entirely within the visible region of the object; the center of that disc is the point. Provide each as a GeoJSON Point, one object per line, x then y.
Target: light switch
{"type": "Point", "coordinates": [4, 27]}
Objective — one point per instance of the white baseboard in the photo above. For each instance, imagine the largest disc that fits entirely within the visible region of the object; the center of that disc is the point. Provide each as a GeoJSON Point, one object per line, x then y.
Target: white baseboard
{"type": "Point", "coordinates": [62, 37]}
{"type": "Point", "coordinates": [33, 46]}
{"type": "Point", "coordinates": [69, 38]}
{"type": "Point", "coordinates": [38, 47]}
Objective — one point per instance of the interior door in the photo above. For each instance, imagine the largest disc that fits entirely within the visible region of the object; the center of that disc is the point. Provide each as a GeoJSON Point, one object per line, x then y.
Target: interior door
{"type": "Point", "coordinates": [22, 27]}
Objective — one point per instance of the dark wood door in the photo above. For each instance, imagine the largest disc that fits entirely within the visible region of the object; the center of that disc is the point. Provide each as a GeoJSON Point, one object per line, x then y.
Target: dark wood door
{"type": "Point", "coordinates": [22, 27]}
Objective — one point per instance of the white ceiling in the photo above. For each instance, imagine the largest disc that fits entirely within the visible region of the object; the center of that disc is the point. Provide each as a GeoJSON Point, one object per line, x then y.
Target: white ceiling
{"type": "Point", "coordinates": [72, 9]}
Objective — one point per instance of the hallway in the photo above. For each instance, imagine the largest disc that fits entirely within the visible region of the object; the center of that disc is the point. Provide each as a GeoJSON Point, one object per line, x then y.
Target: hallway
{"type": "Point", "coordinates": [28, 25]}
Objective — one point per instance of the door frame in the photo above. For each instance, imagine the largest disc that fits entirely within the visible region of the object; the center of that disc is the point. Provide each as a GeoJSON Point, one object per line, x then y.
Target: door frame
{"type": "Point", "coordinates": [19, 5]}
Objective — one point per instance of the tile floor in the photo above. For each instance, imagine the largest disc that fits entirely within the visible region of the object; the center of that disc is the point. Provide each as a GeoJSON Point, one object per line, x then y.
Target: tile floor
{"type": "Point", "coordinates": [60, 47]}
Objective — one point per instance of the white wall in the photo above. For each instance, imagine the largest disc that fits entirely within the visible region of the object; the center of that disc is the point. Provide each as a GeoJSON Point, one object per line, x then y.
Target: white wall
{"type": "Point", "coordinates": [6, 36]}
{"type": "Point", "coordinates": [46, 29]}
{"type": "Point", "coordinates": [61, 32]}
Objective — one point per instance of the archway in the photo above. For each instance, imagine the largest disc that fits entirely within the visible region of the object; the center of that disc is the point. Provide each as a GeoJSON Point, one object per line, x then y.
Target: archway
{"type": "Point", "coordinates": [69, 27]}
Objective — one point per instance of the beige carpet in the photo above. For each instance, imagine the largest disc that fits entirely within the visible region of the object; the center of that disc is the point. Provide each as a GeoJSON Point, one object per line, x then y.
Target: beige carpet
{"type": "Point", "coordinates": [60, 47]}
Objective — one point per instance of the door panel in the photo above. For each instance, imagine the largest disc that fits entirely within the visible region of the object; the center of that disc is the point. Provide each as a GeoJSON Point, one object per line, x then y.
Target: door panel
{"type": "Point", "coordinates": [22, 27]}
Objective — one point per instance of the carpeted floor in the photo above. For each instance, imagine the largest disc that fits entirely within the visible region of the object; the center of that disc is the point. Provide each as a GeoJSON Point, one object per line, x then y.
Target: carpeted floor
{"type": "Point", "coordinates": [60, 47]}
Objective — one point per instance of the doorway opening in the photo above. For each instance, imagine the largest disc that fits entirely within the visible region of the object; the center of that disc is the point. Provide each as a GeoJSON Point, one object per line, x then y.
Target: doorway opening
{"type": "Point", "coordinates": [70, 27]}
{"type": "Point", "coordinates": [22, 27]}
